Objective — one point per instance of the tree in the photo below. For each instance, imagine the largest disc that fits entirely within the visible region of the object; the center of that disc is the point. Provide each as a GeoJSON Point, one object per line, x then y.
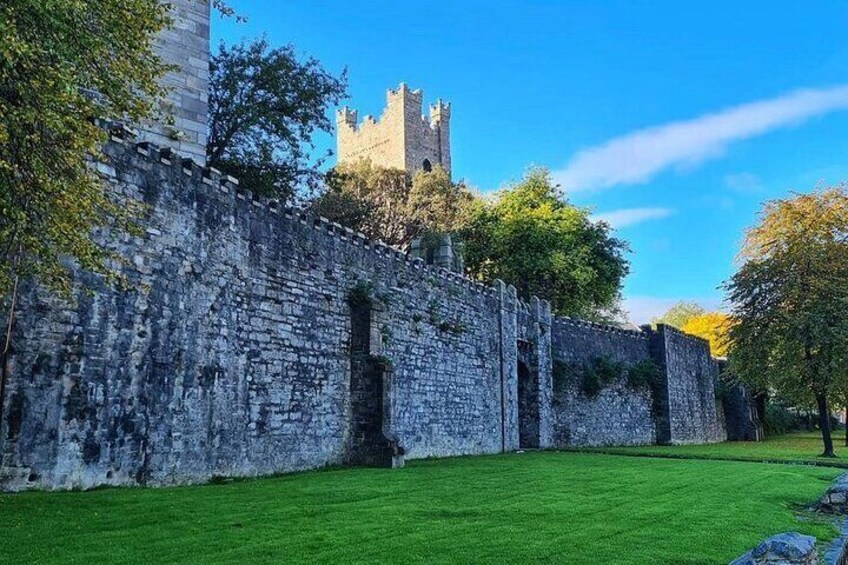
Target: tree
{"type": "Point", "coordinates": [530, 237]}
{"type": "Point", "coordinates": [264, 106]}
{"type": "Point", "coordinates": [679, 314]}
{"type": "Point", "coordinates": [790, 301]}
{"type": "Point", "coordinates": [63, 63]}
{"type": "Point", "coordinates": [392, 206]}
{"type": "Point", "coordinates": [712, 326]}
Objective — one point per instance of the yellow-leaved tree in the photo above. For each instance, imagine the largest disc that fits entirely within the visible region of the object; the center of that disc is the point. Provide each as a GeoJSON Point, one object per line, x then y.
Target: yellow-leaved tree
{"type": "Point", "coordinates": [712, 326]}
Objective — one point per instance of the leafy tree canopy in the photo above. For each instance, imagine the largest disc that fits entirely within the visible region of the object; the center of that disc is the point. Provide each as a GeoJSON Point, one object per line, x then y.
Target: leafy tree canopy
{"type": "Point", "coordinates": [390, 205]}
{"type": "Point", "coordinates": [712, 326]}
{"type": "Point", "coordinates": [790, 301]}
{"type": "Point", "coordinates": [679, 314]}
{"type": "Point", "coordinates": [530, 237]}
{"type": "Point", "coordinates": [53, 57]}
{"type": "Point", "coordinates": [264, 106]}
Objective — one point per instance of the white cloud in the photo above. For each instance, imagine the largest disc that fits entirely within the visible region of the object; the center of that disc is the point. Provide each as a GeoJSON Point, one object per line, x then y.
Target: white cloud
{"type": "Point", "coordinates": [632, 216]}
{"type": "Point", "coordinates": [641, 309]}
{"type": "Point", "coordinates": [639, 156]}
{"type": "Point", "coordinates": [744, 183]}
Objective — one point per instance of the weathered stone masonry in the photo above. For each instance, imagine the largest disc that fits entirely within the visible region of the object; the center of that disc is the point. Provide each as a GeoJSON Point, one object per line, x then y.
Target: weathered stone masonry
{"type": "Point", "coordinates": [402, 138]}
{"type": "Point", "coordinates": [233, 355]}
{"type": "Point", "coordinates": [239, 353]}
{"type": "Point", "coordinates": [691, 413]}
{"type": "Point", "coordinates": [258, 340]}
{"type": "Point", "coordinates": [618, 415]}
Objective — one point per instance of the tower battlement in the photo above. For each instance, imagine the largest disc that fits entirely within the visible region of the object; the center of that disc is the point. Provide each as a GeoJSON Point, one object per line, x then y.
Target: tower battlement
{"type": "Point", "coordinates": [402, 138]}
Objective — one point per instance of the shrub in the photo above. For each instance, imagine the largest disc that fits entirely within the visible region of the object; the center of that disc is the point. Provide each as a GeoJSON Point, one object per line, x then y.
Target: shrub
{"type": "Point", "coordinates": [644, 375]}
{"type": "Point", "coordinates": [360, 295]}
{"type": "Point", "coordinates": [455, 328]}
{"type": "Point", "coordinates": [381, 362]}
{"type": "Point", "coordinates": [599, 373]}
{"type": "Point", "coordinates": [782, 419]}
{"type": "Point", "coordinates": [779, 420]}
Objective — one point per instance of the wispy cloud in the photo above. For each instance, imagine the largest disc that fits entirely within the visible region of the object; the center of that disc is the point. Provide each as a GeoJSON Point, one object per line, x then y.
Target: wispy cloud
{"type": "Point", "coordinates": [632, 216]}
{"type": "Point", "coordinates": [638, 156]}
{"type": "Point", "coordinates": [744, 183]}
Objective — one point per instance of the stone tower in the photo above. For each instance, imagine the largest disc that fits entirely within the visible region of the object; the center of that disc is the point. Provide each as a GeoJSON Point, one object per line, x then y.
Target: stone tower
{"type": "Point", "coordinates": [402, 138]}
{"type": "Point", "coordinates": [186, 45]}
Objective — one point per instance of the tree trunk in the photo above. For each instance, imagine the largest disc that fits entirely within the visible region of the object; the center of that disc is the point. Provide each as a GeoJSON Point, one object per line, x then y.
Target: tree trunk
{"type": "Point", "coordinates": [846, 419]}
{"type": "Point", "coordinates": [824, 424]}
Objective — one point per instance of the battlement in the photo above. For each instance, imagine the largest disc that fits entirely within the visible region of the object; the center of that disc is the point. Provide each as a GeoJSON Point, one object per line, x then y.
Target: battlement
{"type": "Point", "coordinates": [127, 138]}
{"type": "Point", "coordinates": [599, 327]}
{"type": "Point", "coordinates": [439, 112]}
{"type": "Point", "coordinates": [346, 117]}
{"type": "Point", "coordinates": [402, 137]}
{"type": "Point", "coordinates": [667, 329]}
{"type": "Point", "coordinates": [403, 92]}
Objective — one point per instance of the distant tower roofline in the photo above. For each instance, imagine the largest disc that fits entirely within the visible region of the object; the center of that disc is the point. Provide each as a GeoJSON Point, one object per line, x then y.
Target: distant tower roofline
{"type": "Point", "coordinates": [402, 137]}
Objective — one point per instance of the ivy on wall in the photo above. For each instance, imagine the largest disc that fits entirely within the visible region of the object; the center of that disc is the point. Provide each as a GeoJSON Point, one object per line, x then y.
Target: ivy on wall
{"type": "Point", "coordinates": [600, 373]}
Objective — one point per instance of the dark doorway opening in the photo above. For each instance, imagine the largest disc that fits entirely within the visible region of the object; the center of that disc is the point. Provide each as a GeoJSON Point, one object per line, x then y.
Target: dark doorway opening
{"type": "Point", "coordinates": [369, 374]}
{"type": "Point", "coordinates": [528, 407]}
{"type": "Point", "coordinates": [427, 166]}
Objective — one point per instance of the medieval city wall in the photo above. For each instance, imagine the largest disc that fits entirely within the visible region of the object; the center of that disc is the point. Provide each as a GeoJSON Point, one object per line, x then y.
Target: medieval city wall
{"type": "Point", "coordinates": [618, 414]}
{"type": "Point", "coordinates": [692, 412]}
{"type": "Point", "coordinates": [230, 353]}
{"type": "Point", "coordinates": [256, 340]}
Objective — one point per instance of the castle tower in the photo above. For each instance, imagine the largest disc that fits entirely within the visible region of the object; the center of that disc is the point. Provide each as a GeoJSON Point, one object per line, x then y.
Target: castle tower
{"type": "Point", "coordinates": [186, 45]}
{"type": "Point", "coordinates": [402, 138]}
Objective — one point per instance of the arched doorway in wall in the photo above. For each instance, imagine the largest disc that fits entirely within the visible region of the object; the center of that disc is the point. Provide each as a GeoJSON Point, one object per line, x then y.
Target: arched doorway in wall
{"type": "Point", "coordinates": [427, 165]}
{"type": "Point", "coordinates": [528, 403]}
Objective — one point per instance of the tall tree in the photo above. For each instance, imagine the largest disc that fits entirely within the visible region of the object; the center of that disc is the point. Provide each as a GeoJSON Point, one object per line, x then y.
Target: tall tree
{"type": "Point", "coordinates": [62, 63]}
{"type": "Point", "coordinates": [390, 205]}
{"type": "Point", "coordinates": [790, 301]}
{"type": "Point", "coordinates": [264, 107]}
{"type": "Point", "coordinates": [529, 236]}
{"type": "Point", "coordinates": [679, 314]}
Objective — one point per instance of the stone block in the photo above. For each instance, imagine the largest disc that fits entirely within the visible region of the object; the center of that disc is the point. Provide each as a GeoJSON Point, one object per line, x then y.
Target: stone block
{"type": "Point", "coordinates": [835, 498]}
{"type": "Point", "coordinates": [789, 548]}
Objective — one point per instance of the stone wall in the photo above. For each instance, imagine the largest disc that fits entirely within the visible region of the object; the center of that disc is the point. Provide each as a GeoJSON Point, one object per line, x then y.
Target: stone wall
{"type": "Point", "coordinates": [691, 411]}
{"type": "Point", "coordinates": [231, 355]}
{"type": "Point", "coordinates": [255, 340]}
{"type": "Point", "coordinates": [618, 415]}
{"type": "Point", "coordinates": [534, 386]}
{"type": "Point", "coordinates": [740, 415]}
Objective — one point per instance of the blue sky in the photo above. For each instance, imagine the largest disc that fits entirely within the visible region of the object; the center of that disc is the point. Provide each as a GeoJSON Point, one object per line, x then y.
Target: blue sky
{"type": "Point", "coordinates": [672, 120]}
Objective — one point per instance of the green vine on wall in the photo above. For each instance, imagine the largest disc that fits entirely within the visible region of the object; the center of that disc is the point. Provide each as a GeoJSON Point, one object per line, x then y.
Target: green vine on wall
{"type": "Point", "coordinates": [455, 327]}
{"type": "Point", "coordinates": [360, 295]}
{"type": "Point", "coordinates": [381, 362]}
{"type": "Point", "coordinates": [600, 373]}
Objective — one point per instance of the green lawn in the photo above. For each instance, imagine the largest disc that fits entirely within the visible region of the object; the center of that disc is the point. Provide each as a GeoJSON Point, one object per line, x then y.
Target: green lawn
{"type": "Point", "coordinates": [801, 447]}
{"type": "Point", "coordinates": [544, 506]}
